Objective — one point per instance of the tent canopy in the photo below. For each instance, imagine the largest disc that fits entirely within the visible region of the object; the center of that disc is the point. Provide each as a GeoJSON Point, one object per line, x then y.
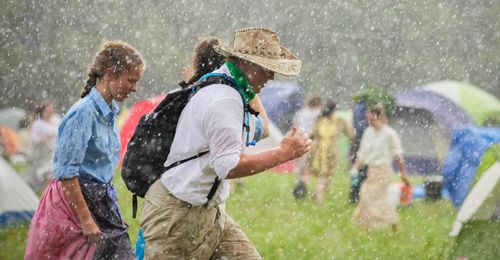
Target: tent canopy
{"type": "Point", "coordinates": [17, 200]}
{"type": "Point", "coordinates": [467, 149]}
{"type": "Point", "coordinates": [425, 121]}
{"type": "Point", "coordinates": [482, 201]}
{"type": "Point", "coordinates": [476, 102]}
{"type": "Point", "coordinates": [446, 113]}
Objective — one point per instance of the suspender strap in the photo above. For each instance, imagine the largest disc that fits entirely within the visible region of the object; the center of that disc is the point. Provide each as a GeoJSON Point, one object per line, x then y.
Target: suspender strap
{"type": "Point", "coordinates": [213, 189]}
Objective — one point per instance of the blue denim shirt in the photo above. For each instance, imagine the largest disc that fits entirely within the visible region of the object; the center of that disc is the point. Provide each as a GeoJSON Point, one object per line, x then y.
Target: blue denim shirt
{"type": "Point", "coordinates": [88, 143]}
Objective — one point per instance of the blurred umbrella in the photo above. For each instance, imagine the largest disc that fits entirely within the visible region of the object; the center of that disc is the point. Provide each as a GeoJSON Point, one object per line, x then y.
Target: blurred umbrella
{"type": "Point", "coordinates": [282, 99]}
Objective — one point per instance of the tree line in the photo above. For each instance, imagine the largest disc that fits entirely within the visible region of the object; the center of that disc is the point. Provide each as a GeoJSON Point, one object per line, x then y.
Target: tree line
{"type": "Point", "coordinates": [344, 45]}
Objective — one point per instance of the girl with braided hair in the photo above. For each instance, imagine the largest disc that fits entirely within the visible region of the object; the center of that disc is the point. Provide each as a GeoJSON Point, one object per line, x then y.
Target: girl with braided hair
{"type": "Point", "coordinates": [78, 216]}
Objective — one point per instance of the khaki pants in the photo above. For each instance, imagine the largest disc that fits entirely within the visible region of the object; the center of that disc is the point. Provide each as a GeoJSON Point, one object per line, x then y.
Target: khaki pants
{"type": "Point", "coordinates": [174, 229]}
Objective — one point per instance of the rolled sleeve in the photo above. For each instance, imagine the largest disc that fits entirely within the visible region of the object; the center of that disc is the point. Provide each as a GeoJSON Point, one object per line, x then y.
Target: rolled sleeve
{"type": "Point", "coordinates": [72, 141]}
{"type": "Point", "coordinates": [222, 124]}
{"type": "Point", "coordinates": [66, 172]}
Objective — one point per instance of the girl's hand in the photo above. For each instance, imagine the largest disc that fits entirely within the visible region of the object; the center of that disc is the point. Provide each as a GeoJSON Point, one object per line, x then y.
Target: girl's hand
{"type": "Point", "coordinates": [91, 231]}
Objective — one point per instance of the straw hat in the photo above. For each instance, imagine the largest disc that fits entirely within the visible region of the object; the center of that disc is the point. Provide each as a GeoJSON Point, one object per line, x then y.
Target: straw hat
{"type": "Point", "coordinates": [262, 47]}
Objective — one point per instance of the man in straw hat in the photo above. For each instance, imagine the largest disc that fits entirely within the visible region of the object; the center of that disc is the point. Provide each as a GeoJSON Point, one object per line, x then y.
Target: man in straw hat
{"type": "Point", "coordinates": [178, 218]}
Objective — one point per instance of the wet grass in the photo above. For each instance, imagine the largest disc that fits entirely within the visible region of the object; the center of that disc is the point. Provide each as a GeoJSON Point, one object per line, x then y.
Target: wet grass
{"type": "Point", "coordinates": [12, 242]}
{"type": "Point", "coordinates": [479, 240]}
{"type": "Point", "coordinates": [282, 227]}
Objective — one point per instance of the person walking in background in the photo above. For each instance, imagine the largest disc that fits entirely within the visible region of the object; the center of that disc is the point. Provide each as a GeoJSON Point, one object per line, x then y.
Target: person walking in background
{"type": "Point", "coordinates": [25, 130]}
{"type": "Point", "coordinates": [180, 220]}
{"type": "Point", "coordinates": [78, 215]}
{"type": "Point", "coordinates": [305, 119]}
{"type": "Point", "coordinates": [43, 135]}
{"type": "Point", "coordinates": [326, 133]}
{"type": "Point", "coordinates": [380, 145]}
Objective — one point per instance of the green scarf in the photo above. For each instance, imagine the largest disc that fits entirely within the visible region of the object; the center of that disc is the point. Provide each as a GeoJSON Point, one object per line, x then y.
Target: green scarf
{"type": "Point", "coordinates": [242, 82]}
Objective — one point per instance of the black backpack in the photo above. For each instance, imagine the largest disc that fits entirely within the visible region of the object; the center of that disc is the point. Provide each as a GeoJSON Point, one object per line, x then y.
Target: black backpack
{"type": "Point", "coordinates": [150, 144]}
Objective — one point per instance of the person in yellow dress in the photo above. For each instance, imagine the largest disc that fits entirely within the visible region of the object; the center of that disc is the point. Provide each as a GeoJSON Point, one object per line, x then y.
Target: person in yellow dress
{"type": "Point", "coordinates": [327, 131]}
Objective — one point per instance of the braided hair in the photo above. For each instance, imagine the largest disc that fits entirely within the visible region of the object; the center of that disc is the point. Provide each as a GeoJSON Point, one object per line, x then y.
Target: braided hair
{"type": "Point", "coordinates": [119, 56]}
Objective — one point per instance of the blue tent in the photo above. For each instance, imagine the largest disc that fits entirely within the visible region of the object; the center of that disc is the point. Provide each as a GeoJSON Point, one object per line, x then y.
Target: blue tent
{"type": "Point", "coordinates": [467, 148]}
{"type": "Point", "coordinates": [282, 99]}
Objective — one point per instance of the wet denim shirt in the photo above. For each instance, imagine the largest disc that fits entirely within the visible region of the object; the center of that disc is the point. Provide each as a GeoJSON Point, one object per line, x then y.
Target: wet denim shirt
{"type": "Point", "coordinates": [88, 144]}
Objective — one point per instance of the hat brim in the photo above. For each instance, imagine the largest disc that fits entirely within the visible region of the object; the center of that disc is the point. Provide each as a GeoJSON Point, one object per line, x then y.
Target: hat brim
{"type": "Point", "coordinates": [289, 65]}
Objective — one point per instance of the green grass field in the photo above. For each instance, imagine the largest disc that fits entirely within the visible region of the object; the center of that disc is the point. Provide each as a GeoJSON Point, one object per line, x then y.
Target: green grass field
{"type": "Point", "coordinates": [284, 228]}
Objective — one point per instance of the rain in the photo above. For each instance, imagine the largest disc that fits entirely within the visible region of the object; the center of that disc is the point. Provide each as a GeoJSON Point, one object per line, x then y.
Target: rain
{"type": "Point", "coordinates": [432, 67]}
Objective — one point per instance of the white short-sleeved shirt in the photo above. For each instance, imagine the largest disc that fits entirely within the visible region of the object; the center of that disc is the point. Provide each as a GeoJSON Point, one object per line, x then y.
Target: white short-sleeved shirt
{"type": "Point", "coordinates": [211, 121]}
{"type": "Point", "coordinates": [43, 130]}
{"type": "Point", "coordinates": [379, 147]}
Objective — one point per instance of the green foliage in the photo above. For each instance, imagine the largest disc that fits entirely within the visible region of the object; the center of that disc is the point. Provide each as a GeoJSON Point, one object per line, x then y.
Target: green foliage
{"type": "Point", "coordinates": [343, 44]}
{"type": "Point", "coordinates": [374, 95]}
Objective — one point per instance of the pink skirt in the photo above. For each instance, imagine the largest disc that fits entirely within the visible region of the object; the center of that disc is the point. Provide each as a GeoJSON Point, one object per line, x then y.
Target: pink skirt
{"type": "Point", "coordinates": [55, 232]}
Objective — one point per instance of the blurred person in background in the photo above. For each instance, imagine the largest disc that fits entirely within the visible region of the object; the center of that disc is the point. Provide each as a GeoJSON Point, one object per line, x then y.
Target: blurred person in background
{"type": "Point", "coordinates": [43, 133]}
{"type": "Point", "coordinates": [305, 119]}
{"type": "Point", "coordinates": [380, 145]}
{"type": "Point", "coordinates": [327, 131]}
{"type": "Point", "coordinates": [25, 128]}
